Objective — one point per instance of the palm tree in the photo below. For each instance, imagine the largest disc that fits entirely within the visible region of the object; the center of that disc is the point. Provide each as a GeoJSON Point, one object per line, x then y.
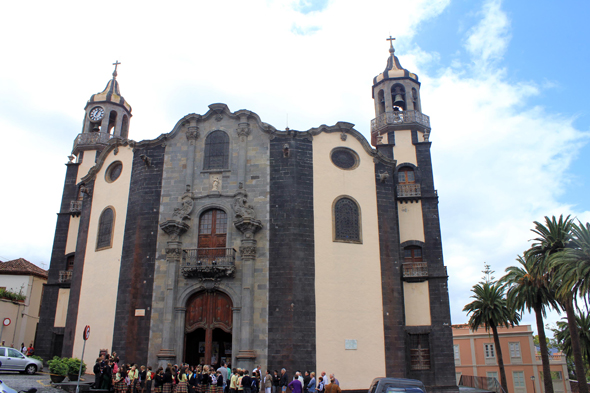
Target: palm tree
{"type": "Point", "coordinates": [572, 271]}
{"type": "Point", "coordinates": [528, 287]}
{"type": "Point", "coordinates": [490, 310]}
{"type": "Point", "coordinates": [562, 335]}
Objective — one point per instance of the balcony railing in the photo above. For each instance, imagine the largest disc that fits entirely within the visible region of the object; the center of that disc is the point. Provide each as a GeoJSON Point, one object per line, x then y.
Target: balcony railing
{"type": "Point", "coordinates": [209, 263]}
{"type": "Point", "coordinates": [552, 358]}
{"type": "Point", "coordinates": [399, 118]}
{"type": "Point", "coordinates": [75, 207]}
{"type": "Point", "coordinates": [65, 276]}
{"type": "Point", "coordinates": [92, 138]}
{"type": "Point", "coordinates": [408, 190]}
{"type": "Point", "coordinates": [415, 269]}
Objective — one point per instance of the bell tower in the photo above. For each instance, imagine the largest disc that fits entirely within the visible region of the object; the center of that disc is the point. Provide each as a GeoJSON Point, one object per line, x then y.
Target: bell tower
{"type": "Point", "coordinates": [396, 92]}
{"type": "Point", "coordinates": [107, 116]}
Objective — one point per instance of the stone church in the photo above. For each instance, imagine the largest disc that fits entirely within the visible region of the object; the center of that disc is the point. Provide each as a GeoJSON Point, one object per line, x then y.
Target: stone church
{"type": "Point", "coordinates": [228, 239]}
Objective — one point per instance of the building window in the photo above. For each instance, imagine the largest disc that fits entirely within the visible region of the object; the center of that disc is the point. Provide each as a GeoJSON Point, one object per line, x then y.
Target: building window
{"type": "Point", "coordinates": [216, 151]}
{"type": "Point", "coordinates": [113, 171]}
{"type": "Point", "coordinates": [518, 377]}
{"type": "Point", "coordinates": [456, 352]}
{"type": "Point", "coordinates": [419, 352]}
{"type": "Point", "coordinates": [344, 158]}
{"type": "Point", "coordinates": [514, 350]}
{"type": "Point", "coordinates": [347, 221]}
{"type": "Point", "coordinates": [492, 374]}
{"type": "Point", "coordinates": [70, 262]}
{"type": "Point", "coordinates": [555, 375]}
{"type": "Point", "coordinates": [413, 254]}
{"type": "Point", "coordinates": [105, 229]}
{"type": "Point", "coordinates": [406, 176]}
{"type": "Point", "coordinates": [489, 351]}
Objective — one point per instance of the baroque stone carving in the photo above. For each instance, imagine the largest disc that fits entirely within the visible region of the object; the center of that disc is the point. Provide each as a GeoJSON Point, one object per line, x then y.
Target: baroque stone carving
{"type": "Point", "coordinates": [193, 133]}
{"type": "Point", "coordinates": [343, 136]}
{"type": "Point", "coordinates": [176, 226]}
{"type": "Point", "coordinates": [243, 130]}
{"type": "Point", "coordinates": [248, 251]}
{"type": "Point", "coordinates": [183, 212]}
{"type": "Point", "coordinates": [241, 207]}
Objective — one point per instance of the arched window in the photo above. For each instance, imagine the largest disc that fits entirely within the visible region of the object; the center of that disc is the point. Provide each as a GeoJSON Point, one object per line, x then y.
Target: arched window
{"type": "Point", "coordinates": [105, 229]}
{"type": "Point", "coordinates": [347, 223]}
{"type": "Point", "coordinates": [398, 97]}
{"type": "Point", "coordinates": [125, 127]}
{"type": "Point", "coordinates": [381, 99]}
{"type": "Point", "coordinates": [212, 234]}
{"type": "Point", "coordinates": [112, 121]}
{"type": "Point", "coordinates": [406, 176]}
{"type": "Point", "coordinates": [216, 151]}
{"type": "Point", "coordinates": [413, 254]}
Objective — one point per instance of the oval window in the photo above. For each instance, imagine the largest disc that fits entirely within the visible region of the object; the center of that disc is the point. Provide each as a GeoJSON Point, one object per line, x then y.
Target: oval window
{"type": "Point", "coordinates": [114, 171]}
{"type": "Point", "coordinates": [344, 158]}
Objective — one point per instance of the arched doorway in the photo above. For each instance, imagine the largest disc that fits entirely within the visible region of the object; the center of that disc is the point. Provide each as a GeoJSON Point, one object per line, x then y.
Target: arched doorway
{"type": "Point", "coordinates": [208, 327]}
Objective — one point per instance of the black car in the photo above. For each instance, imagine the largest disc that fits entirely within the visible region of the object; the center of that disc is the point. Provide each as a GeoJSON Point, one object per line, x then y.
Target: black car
{"type": "Point", "coordinates": [396, 385]}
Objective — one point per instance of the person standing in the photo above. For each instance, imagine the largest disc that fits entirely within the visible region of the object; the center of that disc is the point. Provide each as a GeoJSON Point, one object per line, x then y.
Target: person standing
{"type": "Point", "coordinates": [167, 381]}
{"type": "Point", "coordinates": [311, 383]}
{"type": "Point", "coordinates": [233, 382]}
{"type": "Point", "coordinates": [96, 371]}
{"type": "Point", "coordinates": [284, 382]}
{"type": "Point", "coordinates": [247, 382]}
{"type": "Point", "coordinates": [333, 387]}
{"type": "Point", "coordinates": [334, 380]}
{"type": "Point", "coordinates": [306, 379]}
{"type": "Point", "coordinates": [295, 385]}
{"type": "Point", "coordinates": [276, 382]}
{"type": "Point", "coordinates": [267, 382]}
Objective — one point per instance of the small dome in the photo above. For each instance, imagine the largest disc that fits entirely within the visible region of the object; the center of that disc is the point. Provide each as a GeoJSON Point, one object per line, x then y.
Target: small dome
{"type": "Point", "coordinates": [394, 69]}
{"type": "Point", "coordinates": [111, 93]}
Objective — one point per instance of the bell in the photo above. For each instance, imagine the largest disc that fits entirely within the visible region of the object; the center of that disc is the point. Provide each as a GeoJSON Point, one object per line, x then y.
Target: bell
{"type": "Point", "coordinates": [399, 101]}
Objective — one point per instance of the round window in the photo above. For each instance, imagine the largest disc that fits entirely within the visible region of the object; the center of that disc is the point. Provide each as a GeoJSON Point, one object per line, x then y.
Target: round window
{"type": "Point", "coordinates": [344, 158]}
{"type": "Point", "coordinates": [114, 171]}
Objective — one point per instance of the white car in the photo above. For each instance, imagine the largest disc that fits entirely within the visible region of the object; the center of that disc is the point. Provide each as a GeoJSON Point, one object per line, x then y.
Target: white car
{"type": "Point", "coordinates": [13, 360]}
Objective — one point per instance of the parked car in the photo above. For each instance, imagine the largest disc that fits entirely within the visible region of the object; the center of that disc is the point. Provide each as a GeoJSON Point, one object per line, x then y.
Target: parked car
{"type": "Point", "coordinates": [12, 360]}
{"type": "Point", "coordinates": [395, 385]}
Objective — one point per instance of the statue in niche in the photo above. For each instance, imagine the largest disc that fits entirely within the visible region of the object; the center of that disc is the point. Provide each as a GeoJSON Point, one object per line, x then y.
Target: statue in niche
{"type": "Point", "coordinates": [215, 186]}
{"type": "Point", "coordinates": [184, 211]}
{"type": "Point", "coordinates": [242, 208]}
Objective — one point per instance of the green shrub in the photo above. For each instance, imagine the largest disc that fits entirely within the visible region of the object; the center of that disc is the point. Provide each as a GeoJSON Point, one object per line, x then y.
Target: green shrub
{"type": "Point", "coordinates": [74, 365]}
{"type": "Point", "coordinates": [39, 358]}
{"type": "Point", "coordinates": [58, 366]}
{"type": "Point", "coordinates": [4, 294]}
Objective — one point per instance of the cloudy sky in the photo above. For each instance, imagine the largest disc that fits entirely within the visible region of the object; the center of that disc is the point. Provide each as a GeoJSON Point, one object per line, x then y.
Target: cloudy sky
{"type": "Point", "coordinates": [504, 83]}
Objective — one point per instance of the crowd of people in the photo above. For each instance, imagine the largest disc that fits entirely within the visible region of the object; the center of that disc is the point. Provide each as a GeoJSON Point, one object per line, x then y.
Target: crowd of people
{"type": "Point", "coordinates": [131, 378]}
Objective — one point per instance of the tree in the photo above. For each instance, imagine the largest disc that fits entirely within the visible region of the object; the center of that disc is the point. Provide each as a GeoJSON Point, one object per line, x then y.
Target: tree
{"type": "Point", "coordinates": [528, 287]}
{"type": "Point", "coordinates": [562, 335]}
{"type": "Point", "coordinates": [489, 310]}
{"type": "Point", "coordinates": [572, 271]}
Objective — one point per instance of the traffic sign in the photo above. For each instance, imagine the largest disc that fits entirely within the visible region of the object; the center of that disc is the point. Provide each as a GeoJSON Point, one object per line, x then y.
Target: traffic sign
{"type": "Point", "coordinates": [6, 321]}
{"type": "Point", "coordinates": [86, 332]}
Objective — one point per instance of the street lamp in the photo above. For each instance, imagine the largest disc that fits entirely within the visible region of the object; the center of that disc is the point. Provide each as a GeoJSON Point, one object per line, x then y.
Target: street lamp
{"type": "Point", "coordinates": [533, 379]}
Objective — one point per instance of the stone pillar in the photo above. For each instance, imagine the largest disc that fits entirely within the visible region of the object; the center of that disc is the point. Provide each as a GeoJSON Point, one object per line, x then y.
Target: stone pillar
{"type": "Point", "coordinates": [191, 135]}
{"type": "Point", "coordinates": [248, 226]}
{"type": "Point", "coordinates": [173, 257]}
{"type": "Point", "coordinates": [235, 334]}
{"type": "Point", "coordinates": [243, 132]}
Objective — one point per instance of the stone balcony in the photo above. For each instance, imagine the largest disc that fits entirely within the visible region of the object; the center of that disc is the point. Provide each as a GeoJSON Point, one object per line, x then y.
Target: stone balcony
{"type": "Point", "coordinates": [406, 118]}
{"type": "Point", "coordinates": [91, 140]}
{"type": "Point", "coordinates": [408, 190]}
{"type": "Point", "coordinates": [208, 263]}
{"type": "Point", "coordinates": [65, 276]}
{"type": "Point", "coordinates": [415, 270]}
{"type": "Point", "coordinates": [75, 208]}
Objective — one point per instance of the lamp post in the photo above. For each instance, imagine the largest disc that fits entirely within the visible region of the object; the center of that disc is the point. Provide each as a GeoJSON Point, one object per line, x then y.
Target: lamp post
{"type": "Point", "coordinates": [533, 379]}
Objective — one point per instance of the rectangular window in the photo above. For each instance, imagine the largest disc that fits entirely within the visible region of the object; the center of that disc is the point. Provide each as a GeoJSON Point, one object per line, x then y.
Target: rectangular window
{"type": "Point", "coordinates": [489, 351]}
{"type": "Point", "coordinates": [456, 352]}
{"type": "Point", "coordinates": [518, 377]}
{"type": "Point", "coordinates": [514, 350]}
{"type": "Point", "coordinates": [419, 352]}
{"type": "Point", "coordinates": [555, 375]}
{"type": "Point", "coordinates": [492, 374]}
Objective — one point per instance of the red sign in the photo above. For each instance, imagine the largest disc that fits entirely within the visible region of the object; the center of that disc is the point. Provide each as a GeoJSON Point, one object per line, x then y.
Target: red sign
{"type": "Point", "coordinates": [86, 332]}
{"type": "Point", "coordinates": [6, 321]}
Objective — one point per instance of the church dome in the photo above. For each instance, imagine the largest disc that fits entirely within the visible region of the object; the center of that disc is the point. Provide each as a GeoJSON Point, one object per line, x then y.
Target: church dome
{"type": "Point", "coordinates": [394, 69]}
{"type": "Point", "coordinates": [111, 93]}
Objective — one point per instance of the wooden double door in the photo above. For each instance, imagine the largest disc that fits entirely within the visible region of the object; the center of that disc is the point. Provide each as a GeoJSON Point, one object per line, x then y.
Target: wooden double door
{"type": "Point", "coordinates": [208, 328]}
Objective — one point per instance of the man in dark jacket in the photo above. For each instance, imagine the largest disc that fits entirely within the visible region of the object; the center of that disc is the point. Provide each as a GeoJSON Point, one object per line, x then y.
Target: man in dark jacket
{"type": "Point", "coordinates": [284, 380]}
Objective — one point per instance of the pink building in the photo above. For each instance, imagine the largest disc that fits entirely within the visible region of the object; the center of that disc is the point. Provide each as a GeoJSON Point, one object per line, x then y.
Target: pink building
{"type": "Point", "coordinates": [475, 354]}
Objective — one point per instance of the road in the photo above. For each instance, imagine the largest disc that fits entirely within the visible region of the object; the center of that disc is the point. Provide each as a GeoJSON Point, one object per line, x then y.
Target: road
{"type": "Point", "coordinates": [40, 381]}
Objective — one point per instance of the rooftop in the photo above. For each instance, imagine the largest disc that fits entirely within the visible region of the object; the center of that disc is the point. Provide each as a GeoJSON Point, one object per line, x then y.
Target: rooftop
{"type": "Point", "coordinates": [21, 266]}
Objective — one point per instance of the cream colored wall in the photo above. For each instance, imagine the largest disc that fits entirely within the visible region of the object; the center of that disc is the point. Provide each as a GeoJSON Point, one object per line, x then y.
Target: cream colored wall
{"type": "Point", "coordinates": [411, 223]}
{"type": "Point", "coordinates": [100, 280]}
{"type": "Point", "coordinates": [12, 310]}
{"type": "Point", "coordinates": [354, 269]}
{"type": "Point", "coordinates": [31, 311]}
{"type": "Point", "coordinates": [15, 283]}
{"type": "Point", "coordinates": [61, 310]}
{"type": "Point", "coordinates": [404, 150]}
{"type": "Point", "coordinates": [72, 235]}
{"type": "Point", "coordinates": [417, 303]}
{"type": "Point", "coordinates": [87, 162]}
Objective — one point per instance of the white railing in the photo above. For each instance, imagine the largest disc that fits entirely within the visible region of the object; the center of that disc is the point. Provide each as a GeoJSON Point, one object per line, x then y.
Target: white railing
{"type": "Point", "coordinates": [400, 117]}
{"type": "Point", "coordinates": [408, 190]}
{"type": "Point", "coordinates": [92, 138]}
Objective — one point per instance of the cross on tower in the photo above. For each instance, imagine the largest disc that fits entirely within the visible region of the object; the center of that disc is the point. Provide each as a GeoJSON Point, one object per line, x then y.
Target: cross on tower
{"type": "Point", "coordinates": [390, 39]}
{"type": "Point", "coordinates": [116, 63]}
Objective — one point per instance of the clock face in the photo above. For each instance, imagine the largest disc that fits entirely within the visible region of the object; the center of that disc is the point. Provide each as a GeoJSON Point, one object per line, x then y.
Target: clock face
{"type": "Point", "coordinates": [96, 113]}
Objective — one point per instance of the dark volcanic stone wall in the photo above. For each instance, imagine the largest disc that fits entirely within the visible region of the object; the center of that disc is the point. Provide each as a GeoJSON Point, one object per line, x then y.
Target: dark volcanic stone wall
{"type": "Point", "coordinates": [45, 329]}
{"type": "Point", "coordinates": [291, 309]}
{"type": "Point", "coordinates": [131, 333]}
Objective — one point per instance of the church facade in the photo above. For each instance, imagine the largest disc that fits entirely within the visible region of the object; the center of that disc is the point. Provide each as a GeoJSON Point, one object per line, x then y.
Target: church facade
{"type": "Point", "coordinates": [227, 239]}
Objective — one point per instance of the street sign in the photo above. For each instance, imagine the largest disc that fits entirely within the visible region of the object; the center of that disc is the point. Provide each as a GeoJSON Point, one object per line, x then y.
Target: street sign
{"type": "Point", "coordinates": [86, 332]}
{"type": "Point", "coordinates": [6, 321]}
